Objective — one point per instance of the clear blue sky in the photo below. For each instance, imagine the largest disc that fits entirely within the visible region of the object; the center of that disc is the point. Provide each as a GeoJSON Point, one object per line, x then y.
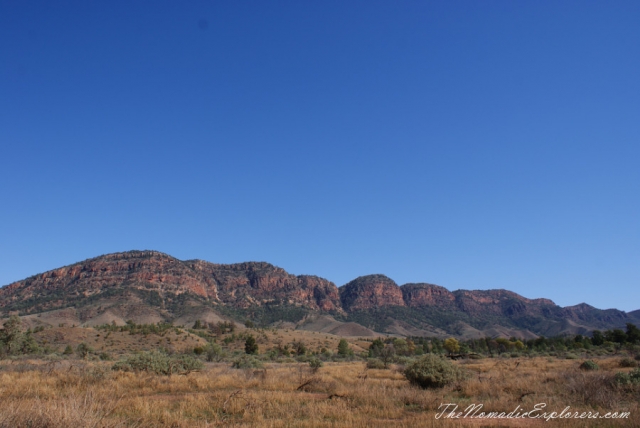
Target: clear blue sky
{"type": "Point", "coordinates": [469, 144]}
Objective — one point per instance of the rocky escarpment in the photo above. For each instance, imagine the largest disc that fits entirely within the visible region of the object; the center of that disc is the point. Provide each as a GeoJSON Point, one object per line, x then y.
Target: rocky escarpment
{"type": "Point", "coordinates": [159, 276]}
{"type": "Point", "coordinates": [371, 291]}
{"type": "Point", "coordinates": [151, 271]}
{"type": "Point", "coordinates": [122, 285]}
{"type": "Point", "coordinates": [244, 285]}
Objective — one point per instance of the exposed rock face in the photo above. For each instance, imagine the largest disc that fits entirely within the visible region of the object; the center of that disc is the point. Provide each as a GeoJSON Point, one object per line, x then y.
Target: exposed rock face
{"type": "Point", "coordinates": [371, 291]}
{"type": "Point", "coordinates": [255, 283]}
{"type": "Point", "coordinates": [149, 285]}
{"type": "Point", "coordinates": [240, 285]}
{"type": "Point", "coordinates": [148, 270]}
{"type": "Point", "coordinates": [499, 302]}
{"type": "Point", "coordinates": [416, 295]}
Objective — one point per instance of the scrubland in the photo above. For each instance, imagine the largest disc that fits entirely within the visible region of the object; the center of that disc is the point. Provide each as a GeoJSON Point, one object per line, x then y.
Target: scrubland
{"type": "Point", "coordinates": [78, 393]}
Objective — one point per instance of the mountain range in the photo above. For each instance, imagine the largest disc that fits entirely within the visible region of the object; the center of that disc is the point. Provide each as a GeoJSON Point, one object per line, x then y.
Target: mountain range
{"type": "Point", "coordinates": [150, 286]}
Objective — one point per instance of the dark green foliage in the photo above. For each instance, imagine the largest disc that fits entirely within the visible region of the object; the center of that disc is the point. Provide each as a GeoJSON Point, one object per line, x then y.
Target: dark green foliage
{"type": "Point", "coordinates": [267, 314]}
{"type": "Point", "coordinates": [589, 365]}
{"type": "Point", "coordinates": [159, 363]}
{"type": "Point", "coordinates": [198, 350]}
{"type": "Point", "coordinates": [633, 334]}
{"type": "Point", "coordinates": [432, 371]}
{"type": "Point", "coordinates": [616, 336]}
{"type": "Point", "coordinates": [376, 348]}
{"type": "Point", "coordinates": [68, 350]}
{"type": "Point", "coordinates": [250, 345]}
{"type": "Point", "coordinates": [343, 348]}
{"type": "Point", "coordinates": [597, 339]}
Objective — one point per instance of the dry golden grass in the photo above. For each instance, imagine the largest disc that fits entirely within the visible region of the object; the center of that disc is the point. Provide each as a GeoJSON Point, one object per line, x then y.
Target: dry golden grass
{"type": "Point", "coordinates": [82, 394]}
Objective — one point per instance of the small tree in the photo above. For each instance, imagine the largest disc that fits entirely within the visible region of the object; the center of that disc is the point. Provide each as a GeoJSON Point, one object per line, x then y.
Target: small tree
{"type": "Point", "coordinates": [11, 335]}
{"type": "Point", "coordinates": [597, 339]}
{"type": "Point", "coordinates": [376, 348]}
{"type": "Point", "coordinates": [451, 345]}
{"type": "Point", "coordinates": [388, 355]}
{"type": "Point", "coordinates": [299, 347]}
{"type": "Point", "coordinates": [343, 348]}
{"type": "Point", "coordinates": [250, 345]}
{"type": "Point", "coordinates": [633, 333]}
{"type": "Point", "coordinates": [401, 346]}
{"type": "Point", "coordinates": [83, 350]}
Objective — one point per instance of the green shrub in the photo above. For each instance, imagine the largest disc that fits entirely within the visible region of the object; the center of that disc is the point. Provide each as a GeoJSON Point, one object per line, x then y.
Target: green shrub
{"type": "Point", "coordinates": [432, 371]}
{"type": "Point", "coordinates": [375, 363]}
{"type": "Point", "coordinates": [213, 352]}
{"type": "Point", "coordinates": [632, 377]}
{"type": "Point", "coordinates": [589, 365]}
{"type": "Point", "coordinates": [247, 362]}
{"type": "Point", "coordinates": [250, 345]}
{"type": "Point", "coordinates": [315, 363]}
{"type": "Point", "coordinates": [628, 362]}
{"type": "Point", "coordinates": [571, 356]}
{"type": "Point", "coordinates": [159, 363]}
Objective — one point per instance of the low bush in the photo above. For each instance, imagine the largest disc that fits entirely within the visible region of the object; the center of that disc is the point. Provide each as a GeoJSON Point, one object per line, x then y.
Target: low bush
{"type": "Point", "coordinates": [631, 378]}
{"type": "Point", "coordinates": [375, 363]}
{"type": "Point", "coordinates": [247, 362]}
{"type": "Point", "coordinates": [432, 371]}
{"type": "Point", "coordinates": [214, 352]}
{"type": "Point", "coordinates": [628, 362]}
{"type": "Point", "coordinates": [589, 365]}
{"type": "Point", "coordinates": [315, 363]}
{"type": "Point", "coordinates": [159, 363]}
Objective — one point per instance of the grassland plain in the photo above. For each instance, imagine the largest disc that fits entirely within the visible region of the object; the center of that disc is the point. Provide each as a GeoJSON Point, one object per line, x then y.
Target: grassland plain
{"type": "Point", "coordinates": [79, 393]}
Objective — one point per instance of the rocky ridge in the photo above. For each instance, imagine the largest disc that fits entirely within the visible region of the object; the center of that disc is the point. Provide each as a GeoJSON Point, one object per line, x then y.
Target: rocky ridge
{"type": "Point", "coordinates": [120, 284]}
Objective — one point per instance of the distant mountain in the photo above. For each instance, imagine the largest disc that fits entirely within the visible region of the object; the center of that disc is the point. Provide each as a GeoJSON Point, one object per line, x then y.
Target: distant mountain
{"type": "Point", "coordinates": [149, 286]}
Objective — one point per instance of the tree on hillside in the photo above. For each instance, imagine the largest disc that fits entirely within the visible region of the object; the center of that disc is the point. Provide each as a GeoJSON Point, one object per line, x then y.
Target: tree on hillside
{"type": "Point", "coordinates": [343, 348]}
{"type": "Point", "coordinates": [250, 345]}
